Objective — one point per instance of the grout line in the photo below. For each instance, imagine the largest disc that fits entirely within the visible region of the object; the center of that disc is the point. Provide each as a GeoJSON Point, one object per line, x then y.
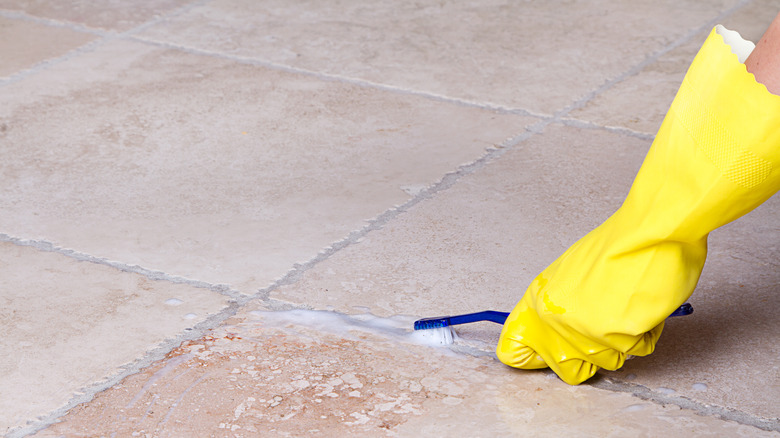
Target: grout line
{"type": "Point", "coordinates": [584, 124]}
{"type": "Point", "coordinates": [328, 77]}
{"type": "Point", "coordinates": [41, 245]}
{"type": "Point", "coordinates": [705, 410]}
{"type": "Point", "coordinates": [51, 62]}
{"type": "Point", "coordinates": [130, 35]}
{"type": "Point", "coordinates": [642, 392]}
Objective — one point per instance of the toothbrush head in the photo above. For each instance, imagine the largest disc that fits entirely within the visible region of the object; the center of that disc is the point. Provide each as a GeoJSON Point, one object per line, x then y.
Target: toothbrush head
{"type": "Point", "coordinates": [436, 336]}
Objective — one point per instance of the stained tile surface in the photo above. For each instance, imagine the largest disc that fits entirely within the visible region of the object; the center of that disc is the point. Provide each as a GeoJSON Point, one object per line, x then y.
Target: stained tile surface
{"type": "Point", "coordinates": [270, 375]}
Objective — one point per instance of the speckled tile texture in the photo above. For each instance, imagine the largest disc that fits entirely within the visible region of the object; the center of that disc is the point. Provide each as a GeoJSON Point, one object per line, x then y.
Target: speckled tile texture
{"type": "Point", "coordinates": [279, 374]}
{"type": "Point", "coordinates": [221, 217]}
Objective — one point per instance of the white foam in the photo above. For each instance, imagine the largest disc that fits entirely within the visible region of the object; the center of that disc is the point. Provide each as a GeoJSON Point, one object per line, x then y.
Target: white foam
{"type": "Point", "coordinates": [173, 301]}
{"type": "Point", "coordinates": [699, 386]}
{"type": "Point", "coordinates": [634, 408]}
{"type": "Point", "coordinates": [435, 336]}
{"type": "Point", "coordinates": [667, 391]}
{"type": "Point", "coordinates": [398, 327]}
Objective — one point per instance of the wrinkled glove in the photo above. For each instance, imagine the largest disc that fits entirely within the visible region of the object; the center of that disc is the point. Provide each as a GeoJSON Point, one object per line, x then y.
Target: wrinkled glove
{"type": "Point", "coordinates": [715, 158]}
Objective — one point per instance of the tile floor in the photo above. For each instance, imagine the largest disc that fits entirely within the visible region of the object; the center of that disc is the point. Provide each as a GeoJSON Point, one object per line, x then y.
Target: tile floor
{"type": "Point", "coordinates": [220, 217]}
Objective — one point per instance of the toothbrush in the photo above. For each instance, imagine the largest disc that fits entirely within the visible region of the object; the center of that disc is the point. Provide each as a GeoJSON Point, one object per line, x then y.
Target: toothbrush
{"type": "Point", "coordinates": [444, 321]}
{"type": "Point", "coordinates": [441, 326]}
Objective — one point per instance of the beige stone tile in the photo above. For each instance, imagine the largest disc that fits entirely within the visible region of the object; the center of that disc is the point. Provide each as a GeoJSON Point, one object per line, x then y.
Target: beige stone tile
{"type": "Point", "coordinates": [68, 325]}
{"type": "Point", "coordinates": [321, 374]}
{"type": "Point", "coordinates": [112, 15]}
{"type": "Point", "coordinates": [477, 245]}
{"type": "Point", "coordinates": [640, 102]}
{"type": "Point", "coordinates": [514, 54]}
{"type": "Point", "coordinates": [217, 171]}
{"type": "Point", "coordinates": [24, 44]}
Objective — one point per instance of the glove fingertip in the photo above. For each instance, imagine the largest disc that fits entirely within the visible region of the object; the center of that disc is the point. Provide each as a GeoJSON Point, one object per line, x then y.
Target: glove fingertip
{"type": "Point", "coordinates": [575, 371]}
{"type": "Point", "coordinates": [645, 345]}
{"type": "Point", "coordinates": [518, 355]}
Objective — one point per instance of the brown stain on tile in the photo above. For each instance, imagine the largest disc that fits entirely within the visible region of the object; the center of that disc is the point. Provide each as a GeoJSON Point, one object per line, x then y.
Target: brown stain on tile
{"type": "Point", "coordinates": [248, 380]}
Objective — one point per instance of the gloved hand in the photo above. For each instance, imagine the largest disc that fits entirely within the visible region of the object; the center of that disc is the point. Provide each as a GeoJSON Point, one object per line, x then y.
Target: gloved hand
{"type": "Point", "coordinates": [715, 158]}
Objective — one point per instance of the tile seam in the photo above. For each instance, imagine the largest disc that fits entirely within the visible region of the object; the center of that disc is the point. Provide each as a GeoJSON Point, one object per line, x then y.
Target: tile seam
{"type": "Point", "coordinates": [584, 124]}
{"type": "Point", "coordinates": [45, 246]}
{"type": "Point", "coordinates": [130, 35]}
{"type": "Point", "coordinates": [51, 62]}
{"type": "Point", "coordinates": [239, 301]}
{"type": "Point", "coordinates": [700, 408]}
{"type": "Point", "coordinates": [644, 393]}
{"type": "Point", "coordinates": [329, 77]}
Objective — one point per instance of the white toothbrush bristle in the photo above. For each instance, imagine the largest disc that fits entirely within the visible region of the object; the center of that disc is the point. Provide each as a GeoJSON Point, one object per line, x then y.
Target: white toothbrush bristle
{"type": "Point", "coordinates": [437, 336]}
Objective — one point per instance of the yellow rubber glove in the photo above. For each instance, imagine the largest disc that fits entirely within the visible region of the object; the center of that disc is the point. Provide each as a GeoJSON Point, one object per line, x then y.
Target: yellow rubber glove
{"type": "Point", "coordinates": [715, 158]}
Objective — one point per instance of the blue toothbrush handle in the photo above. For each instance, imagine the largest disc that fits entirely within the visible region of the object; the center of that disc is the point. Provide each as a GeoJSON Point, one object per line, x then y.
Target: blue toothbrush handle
{"type": "Point", "coordinates": [500, 317]}
{"type": "Point", "coordinates": [488, 315]}
{"type": "Point", "coordinates": [685, 309]}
